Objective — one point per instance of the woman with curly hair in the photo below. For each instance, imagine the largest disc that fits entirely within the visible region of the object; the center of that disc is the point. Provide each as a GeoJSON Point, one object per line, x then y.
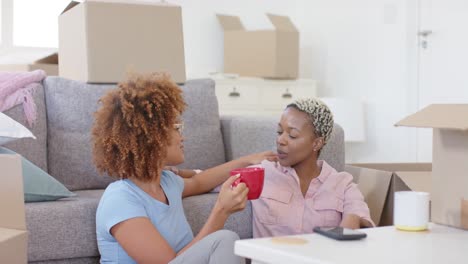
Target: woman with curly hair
{"type": "Point", "coordinates": [140, 218]}
{"type": "Point", "coordinates": [301, 192]}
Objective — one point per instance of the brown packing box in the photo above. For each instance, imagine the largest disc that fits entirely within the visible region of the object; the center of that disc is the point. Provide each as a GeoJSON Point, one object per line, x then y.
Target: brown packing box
{"type": "Point", "coordinates": [49, 64]}
{"type": "Point", "coordinates": [102, 41]}
{"type": "Point", "coordinates": [449, 192]}
{"type": "Point", "coordinates": [379, 181]}
{"type": "Point", "coordinates": [13, 234]}
{"type": "Point", "coordinates": [261, 53]}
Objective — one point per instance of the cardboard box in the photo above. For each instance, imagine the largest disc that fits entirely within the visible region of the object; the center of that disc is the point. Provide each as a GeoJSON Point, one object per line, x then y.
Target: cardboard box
{"type": "Point", "coordinates": [261, 53]}
{"type": "Point", "coordinates": [379, 181]}
{"type": "Point", "coordinates": [13, 234]}
{"type": "Point", "coordinates": [102, 41]}
{"type": "Point", "coordinates": [49, 64]}
{"type": "Point", "coordinates": [449, 158]}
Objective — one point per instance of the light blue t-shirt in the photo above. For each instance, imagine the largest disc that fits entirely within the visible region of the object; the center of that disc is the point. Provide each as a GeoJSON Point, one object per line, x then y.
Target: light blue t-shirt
{"type": "Point", "coordinates": [123, 200]}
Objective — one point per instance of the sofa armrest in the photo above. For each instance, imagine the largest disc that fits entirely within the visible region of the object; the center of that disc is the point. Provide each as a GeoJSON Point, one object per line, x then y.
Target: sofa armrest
{"type": "Point", "coordinates": [245, 135]}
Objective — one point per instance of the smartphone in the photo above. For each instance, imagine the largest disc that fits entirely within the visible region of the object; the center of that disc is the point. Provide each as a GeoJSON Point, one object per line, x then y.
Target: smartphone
{"type": "Point", "coordinates": [340, 233]}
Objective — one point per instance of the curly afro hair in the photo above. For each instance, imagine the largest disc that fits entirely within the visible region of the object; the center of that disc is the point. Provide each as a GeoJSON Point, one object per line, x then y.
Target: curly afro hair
{"type": "Point", "coordinates": [132, 128]}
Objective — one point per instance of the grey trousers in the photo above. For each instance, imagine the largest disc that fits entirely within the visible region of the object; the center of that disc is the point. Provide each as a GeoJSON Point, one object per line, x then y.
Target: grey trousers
{"type": "Point", "coordinates": [217, 247]}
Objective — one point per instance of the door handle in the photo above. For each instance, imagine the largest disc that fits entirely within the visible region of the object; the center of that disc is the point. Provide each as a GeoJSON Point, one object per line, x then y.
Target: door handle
{"type": "Point", "coordinates": [424, 33]}
{"type": "Point", "coordinates": [287, 94]}
{"type": "Point", "coordinates": [234, 93]}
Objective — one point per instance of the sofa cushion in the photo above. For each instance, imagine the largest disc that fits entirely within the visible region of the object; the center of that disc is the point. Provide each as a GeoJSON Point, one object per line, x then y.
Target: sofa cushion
{"type": "Point", "coordinates": [70, 109]}
{"type": "Point", "coordinates": [38, 185]}
{"type": "Point", "coordinates": [67, 228]}
{"type": "Point", "coordinates": [63, 229]}
{"type": "Point", "coordinates": [35, 150]}
{"type": "Point", "coordinates": [203, 145]}
{"type": "Point", "coordinates": [334, 151]}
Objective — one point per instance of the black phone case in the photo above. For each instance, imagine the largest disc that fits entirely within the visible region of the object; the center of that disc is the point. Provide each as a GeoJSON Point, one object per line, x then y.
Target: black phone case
{"type": "Point", "coordinates": [337, 236]}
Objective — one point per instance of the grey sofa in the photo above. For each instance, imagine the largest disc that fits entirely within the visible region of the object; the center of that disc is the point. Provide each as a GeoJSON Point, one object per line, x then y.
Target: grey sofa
{"type": "Point", "coordinates": [64, 231]}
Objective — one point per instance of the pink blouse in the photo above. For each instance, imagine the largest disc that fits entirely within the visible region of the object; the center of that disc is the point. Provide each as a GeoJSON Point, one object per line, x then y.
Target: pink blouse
{"type": "Point", "coordinates": [283, 210]}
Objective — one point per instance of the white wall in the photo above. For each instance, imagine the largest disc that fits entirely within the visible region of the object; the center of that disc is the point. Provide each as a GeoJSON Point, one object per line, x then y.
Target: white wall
{"type": "Point", "coordinates": [360, 50]}
{"type": "Point", "coordinates": [354, 49]}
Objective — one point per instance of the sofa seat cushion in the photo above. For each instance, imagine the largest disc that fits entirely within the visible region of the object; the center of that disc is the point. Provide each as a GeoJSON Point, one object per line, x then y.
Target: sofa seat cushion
{"type": "Point", "coordinates": [93, 260]}
{"type": "Point", "coordinates": [67, 228]}
{"type": "Point", "coordinates": [63, 229]}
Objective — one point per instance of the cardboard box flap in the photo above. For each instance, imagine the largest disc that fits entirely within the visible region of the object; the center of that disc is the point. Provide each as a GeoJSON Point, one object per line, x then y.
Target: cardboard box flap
{"type": "Point", "coordinates": [464, 213]}
{"type": "Point", "coordinates": [71, 5]}
{"type": "Point", "coordinates": [11, 194]}
{"type": "Point", "coordinates": [51, 59]}
{"type": "Point", "coordinates": [75, 3]}
{"type": "Point", "coordinates": [141, 2]}
{"type": "Point", "coordinates": [230, 23]}
{"type": "Point", "coordinates": [374, 186]}
{"type": "Point", "coordinates": [392, 167]}
{"type": "Point", "coordinates": [416, 176]}
{"type": "Point", "coordinates": [6, 234]}
{"type": "Point", "coordinates": [13, 246]}
{"type": "Point", "coordinates": [449, 116]}
{"type": "Point", "coordinates": [282, 23]}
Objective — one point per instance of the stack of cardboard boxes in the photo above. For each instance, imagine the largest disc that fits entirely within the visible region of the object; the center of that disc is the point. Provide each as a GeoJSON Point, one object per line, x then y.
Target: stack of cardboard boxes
{"type": "Point", "coordinates": [446, 179]}
{"type": "Point", "coordinates": [13, 234]}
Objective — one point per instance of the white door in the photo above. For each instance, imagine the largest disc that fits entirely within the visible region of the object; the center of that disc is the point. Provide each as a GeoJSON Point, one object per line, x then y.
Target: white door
{"type": "Point", "coordinates": [443, 59]}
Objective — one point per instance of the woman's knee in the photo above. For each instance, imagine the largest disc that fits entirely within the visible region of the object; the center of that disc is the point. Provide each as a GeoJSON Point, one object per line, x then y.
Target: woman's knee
{"type": "Point", "coordinates": [226, 236]}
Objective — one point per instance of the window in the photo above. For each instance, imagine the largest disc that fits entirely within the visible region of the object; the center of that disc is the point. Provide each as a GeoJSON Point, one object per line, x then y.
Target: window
{"type": "Point", "coordinates": [35, 23]}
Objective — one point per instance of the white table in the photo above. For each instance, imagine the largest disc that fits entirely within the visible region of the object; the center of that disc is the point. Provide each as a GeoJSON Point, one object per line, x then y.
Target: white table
{"type": "Point", "coordinates": [441, 244]}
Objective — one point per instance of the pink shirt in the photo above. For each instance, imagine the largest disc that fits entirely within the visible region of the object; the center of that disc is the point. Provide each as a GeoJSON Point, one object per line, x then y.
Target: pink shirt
{"type": "Point", "coordinates": [283, 210]}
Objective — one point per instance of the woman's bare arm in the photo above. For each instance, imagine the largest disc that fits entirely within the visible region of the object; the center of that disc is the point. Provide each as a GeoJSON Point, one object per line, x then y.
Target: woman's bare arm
{"type": "Point", "coordinates": [210, 178]}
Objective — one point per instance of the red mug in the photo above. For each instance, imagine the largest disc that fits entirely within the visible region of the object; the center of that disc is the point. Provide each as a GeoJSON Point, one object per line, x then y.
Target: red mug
{"type": "Point", "coordinates": [253, 178]}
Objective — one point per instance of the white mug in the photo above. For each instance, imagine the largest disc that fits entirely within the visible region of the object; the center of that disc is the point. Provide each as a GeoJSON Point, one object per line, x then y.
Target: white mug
{"type": "Point", "coordinates": [411, 210]}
